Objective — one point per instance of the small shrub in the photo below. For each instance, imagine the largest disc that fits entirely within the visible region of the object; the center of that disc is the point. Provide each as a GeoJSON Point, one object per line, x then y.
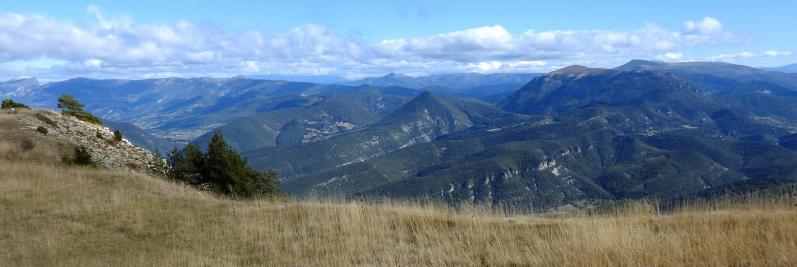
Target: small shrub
{"type": "Point", "coordinates": [27, 145]}
{"type": "Point", "coordinates": [80, 156]}
{"type": "Point", "coordinates": [84, 116]}
{"type": "Point", "coordinates": [42, 130]}
{"type": "Point", "coordinates": [45, 119]}
{"type": "Point", "coordinates": [117, 136]}
{"type": "Point", "coordinates": [132, 166]}
{"type": "Point", "coordinates": [99, 135]}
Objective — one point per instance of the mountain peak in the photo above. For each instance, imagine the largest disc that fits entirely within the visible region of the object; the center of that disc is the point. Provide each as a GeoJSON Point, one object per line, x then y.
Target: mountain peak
{"type": "Point", "coordinates": [428, 102]}
{"type": "Point", "coordinates": [641, 64]}
{"type": "Point", "coordinates": [576, 70]}
{"type": "Point", "coordinates": [30, 80]}
{"type": "Point", "coordinates": [394, 75]}
{"type": "Point", "coordinates": [791, 68]}
{"type": "Point", "coordinates": [703, 66]}
{"type": "Point", "coordinates": [426, 93]}
{"type": "Point", "coordinates": [553, 95]}
{"type": "Point", "coordinates": [425, 98]}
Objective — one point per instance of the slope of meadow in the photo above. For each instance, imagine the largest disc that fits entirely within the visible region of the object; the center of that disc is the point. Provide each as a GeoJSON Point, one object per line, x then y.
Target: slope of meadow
{"type": "Point", "coordinates": [55, 215]}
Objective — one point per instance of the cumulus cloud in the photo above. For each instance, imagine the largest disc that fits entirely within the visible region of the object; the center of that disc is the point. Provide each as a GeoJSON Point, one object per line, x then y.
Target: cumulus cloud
{"type": "Point", "coordinates": [121, 47]}
{"type": "Point", "coordinates": [776, 53]}
{"type": "Point", "coordinates": [706, 26]}
{"type": "Point", "coordinates": [671, 56]}
{"type": "Point", "coordinates": [496, 43]}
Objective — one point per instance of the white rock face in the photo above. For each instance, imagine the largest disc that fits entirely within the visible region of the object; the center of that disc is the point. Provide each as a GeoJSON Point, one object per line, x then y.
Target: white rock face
{"type": "Point", "coordinates": [118, 155]}
{"type": "Point", "coordinates": [546, 164]}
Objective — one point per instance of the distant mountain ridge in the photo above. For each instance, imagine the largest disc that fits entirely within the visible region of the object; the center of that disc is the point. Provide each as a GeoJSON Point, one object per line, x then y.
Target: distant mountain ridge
{"type": "Point", "coordinates": [791, 68]}
{"type": "Point", "coordinates": [481, 86]}
{"type": "Point", "coordinates": [141, 137]}
{"type": "Point", "coordinates": [452, 80]}
{"type": "Point", "coordinates": [767, 95]}
{"type": "Point", "coordinates": [18, 88]}
{"type": "Point", "coordinates": [567, 89]}
{"type": "Point", "coordinates": [183, 109]}
{"type": "Point", "coordinates": [714, 76]}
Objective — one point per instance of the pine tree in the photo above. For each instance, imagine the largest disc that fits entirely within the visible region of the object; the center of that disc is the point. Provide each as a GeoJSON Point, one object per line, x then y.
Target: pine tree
{"type": "Point", "coordinates": [222, 168]}
{"type": "Point", "coordinates": [194, 169]}
{"type": "Point", "coordinates": [70, 106]}
{"type": "Point", "coordinates": [69, 103]}
{"type": "Point", "coordinates": [187, 165]}
{"type": "Point", "coordinates": [176, 162]}
{"type": "Point", "coordinates": [226, 169]}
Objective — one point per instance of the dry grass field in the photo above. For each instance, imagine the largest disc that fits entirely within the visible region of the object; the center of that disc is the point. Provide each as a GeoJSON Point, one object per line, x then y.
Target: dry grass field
{"type": "Point", "coordinates": [54, 215]}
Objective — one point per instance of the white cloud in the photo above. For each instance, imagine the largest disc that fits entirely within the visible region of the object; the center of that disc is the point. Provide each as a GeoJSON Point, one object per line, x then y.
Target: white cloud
{"type": "Point", "coordinates": [671, 56]}
{"type": "Point", "coordinates": [251, 67]}
{"type": "Point", "coordinates": [459, 45]}
{"type": "Point", "coordinates": [93, 62]}
{"type": "Point", "coordinates": [708, 25]}
{"type": "Point", "coordinates": [121, 47]}
{"type": "Point", "coordinates": [776, 53]}
{"type": "Point", "coordinates": [499, 66]}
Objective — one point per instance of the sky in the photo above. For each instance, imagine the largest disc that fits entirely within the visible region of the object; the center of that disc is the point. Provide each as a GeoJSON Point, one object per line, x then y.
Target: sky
{"type": "Point", "coordinates": [56, 40]}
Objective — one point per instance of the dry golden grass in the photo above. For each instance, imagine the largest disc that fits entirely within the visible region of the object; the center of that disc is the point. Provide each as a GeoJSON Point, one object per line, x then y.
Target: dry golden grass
{"type": "Point", "coordinates": [53, 215]}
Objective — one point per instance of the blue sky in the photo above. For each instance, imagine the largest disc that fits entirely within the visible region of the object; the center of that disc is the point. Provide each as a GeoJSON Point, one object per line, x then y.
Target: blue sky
{"type": "Point", "coordinates": [139, 39]}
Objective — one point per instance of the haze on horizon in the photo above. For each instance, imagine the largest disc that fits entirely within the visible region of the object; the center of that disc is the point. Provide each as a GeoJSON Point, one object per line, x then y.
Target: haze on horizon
{"type": "Point", "coordinates": [352, 39]}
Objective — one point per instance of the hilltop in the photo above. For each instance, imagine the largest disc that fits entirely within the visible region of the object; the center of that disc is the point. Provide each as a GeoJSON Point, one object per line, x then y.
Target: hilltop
{"type": "Point", "coordinates": [48, 136]}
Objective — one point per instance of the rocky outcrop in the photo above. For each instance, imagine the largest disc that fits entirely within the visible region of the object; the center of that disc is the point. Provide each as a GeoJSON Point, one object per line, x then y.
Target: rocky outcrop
{"type": "Point", "coordinates": [99, 140]}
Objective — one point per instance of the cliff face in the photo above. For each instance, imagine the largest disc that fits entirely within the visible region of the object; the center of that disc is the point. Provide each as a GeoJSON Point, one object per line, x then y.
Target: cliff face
{"type": "Point", "coordinates": [66, 131]}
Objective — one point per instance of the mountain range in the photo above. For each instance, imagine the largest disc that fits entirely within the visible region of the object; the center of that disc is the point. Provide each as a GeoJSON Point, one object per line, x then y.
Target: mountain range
{"type": "Point", "coordinates": [487, 87]}
{"type": "Point", "coordinates": [574, 136]}
{"type": "Point", "coordinates": [791, 68]}
{"type": "Point", "coordinates": [645, 129]}
{"type": "Point", "coordinates": [181, 109]}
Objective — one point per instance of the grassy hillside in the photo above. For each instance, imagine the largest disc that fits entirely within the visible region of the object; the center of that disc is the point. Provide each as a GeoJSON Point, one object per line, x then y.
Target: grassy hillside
{"type": "Point", "coordinates": [55, 215]}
